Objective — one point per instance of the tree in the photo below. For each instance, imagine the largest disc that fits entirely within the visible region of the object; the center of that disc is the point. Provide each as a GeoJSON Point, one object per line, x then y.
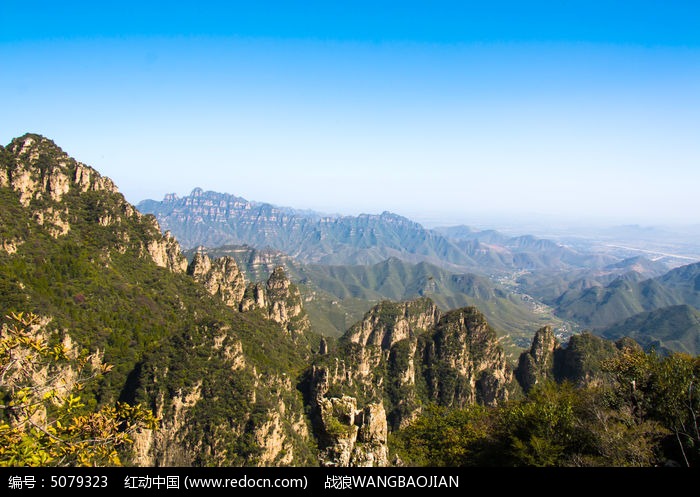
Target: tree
{"type": "Point", "coordinates": [43, 421]}
{"type": "Point", "coordinates": [665, 390]}
{"type": "Point", "coordinates": [442, 436]}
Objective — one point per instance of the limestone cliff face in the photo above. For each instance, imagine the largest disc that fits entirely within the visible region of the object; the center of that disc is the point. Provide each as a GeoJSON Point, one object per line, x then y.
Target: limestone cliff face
{"type": "Point", "coordinates": [537, 364]}
{"type": "Point", "coordinates": [281, 300]}
{"type": "Point", "coordinates": [221, 277]}
{"type": "Point", "coordinates": [62, 194]}
{"type": "Point", "coordinates": [231, 416]}
{"type": "Point", "coordinates": [41, 170]}
{"type": "Point", "coordinates": [390, 322]}
{"type": "Point", "coordinates": [580, 362]}
{"type": "Point", "coordinates": [464, 362]}
{"type": "Point", "coordinates": [165, 252]}
{"type": "Point", "coordinates": [400, 356]}
{"type": "Point", "coordinates": [352, 436]}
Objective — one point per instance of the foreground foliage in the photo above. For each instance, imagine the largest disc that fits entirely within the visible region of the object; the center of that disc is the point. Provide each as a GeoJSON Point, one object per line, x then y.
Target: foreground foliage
{"type": "Point", "coordinates": [646, 413]}
{"type": "Point", "coordinates": [43, 421]}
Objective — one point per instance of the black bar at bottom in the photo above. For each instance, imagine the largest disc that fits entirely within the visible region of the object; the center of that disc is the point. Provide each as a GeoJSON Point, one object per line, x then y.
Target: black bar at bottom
{"type": "Point", "coordinates": [339, 481]}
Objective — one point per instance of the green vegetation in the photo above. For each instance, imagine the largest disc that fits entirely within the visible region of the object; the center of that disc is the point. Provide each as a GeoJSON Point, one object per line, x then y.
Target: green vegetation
{"type": "Point", "coordinates": [645, 415]}
{"type": "Point", "coordinates": [43, 420]}
{"type": "Point", "coordinates": [604, 308]}
{"type": "Point", "coordinates": [164, 334]}
{"type": "Point", "coordinates": [81, 263]}
{"type": "Point", "coordinates": [669, 329]}
{"type": "Point", "coordinates": [336, 297]}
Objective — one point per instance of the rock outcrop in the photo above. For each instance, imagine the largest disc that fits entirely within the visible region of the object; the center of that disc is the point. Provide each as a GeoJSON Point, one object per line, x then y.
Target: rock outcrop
{"type": "Point", "coordinates": [351, 436]}
{"type": "Point", "coordinates": [464, 362]}
{"type": "Point", "coordinates": [232, 415]}
{"type": "Point", "coordinates": [61, 192]}
{"type": "Point", "coordinates": [537, 364]}
{"type": "Point", "coordinates": [221, 277]}
{"type": "Point", "coordinates": [579, 362]}
{"type": "Point", "coordinates": [398, 357]}
{"type": "Point", "coordinates": [280, 299]}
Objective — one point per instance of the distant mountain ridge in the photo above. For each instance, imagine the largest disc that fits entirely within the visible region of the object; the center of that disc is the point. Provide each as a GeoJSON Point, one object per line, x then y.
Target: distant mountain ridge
{"type": "Point", "coordinates": [214, 219]}
{"type": "Point", "coordinates": [601, 307]}
{"type": "Point", "coordinates": [673, 328]}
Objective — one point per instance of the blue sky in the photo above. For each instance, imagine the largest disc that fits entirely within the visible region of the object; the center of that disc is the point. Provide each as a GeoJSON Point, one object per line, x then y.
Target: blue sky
{"type": "Point", "coordinates": [444, 112]}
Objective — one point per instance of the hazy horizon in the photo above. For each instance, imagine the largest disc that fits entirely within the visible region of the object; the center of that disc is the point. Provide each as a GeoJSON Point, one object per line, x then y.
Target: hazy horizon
{"type": "Point", "coordinates": [584, 113]}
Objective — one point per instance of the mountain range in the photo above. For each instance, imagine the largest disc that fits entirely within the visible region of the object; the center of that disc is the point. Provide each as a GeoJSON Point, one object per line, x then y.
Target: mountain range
{"type": "Point", "coordinates": [212, 219]}
{"type": "Point", "coordinates": [347, 263]}
{"type": "Point", "coordinates": [601, 306]}
{"type": "Point", "coordinates": [225, 354]}
{"type": "Point", "coordinates": [337, 296]}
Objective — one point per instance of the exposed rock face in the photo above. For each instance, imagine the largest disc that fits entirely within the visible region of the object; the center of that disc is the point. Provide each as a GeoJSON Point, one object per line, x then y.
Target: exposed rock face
{"type": "Point", "coordinates": [352, 437]}
{"type": "Point", "coordinates": [323, 346]}
{"type": "Point", "coordinates": [254, 297]}
{"type": "Point", "coordinates": [280, 299]}
{"type": "Point", "coordinates": [389, 323]}
{"type": "Point", "coordinates": [167, 446]}
{"type": "Point", "coordinates": [43, 170]}
{"type": "Point", "coordinates": [464, 361]}
{"type": "Point", "coordinates": [251, 419]}
{"type": "Point", "coordinates": [60, 191]}
{"type": "Point", "coordinates": [537, 364]}
{"type": "Point", "coordinates": [377, 368]}
{"type": "Point", "coordinates": [166, 253]}
{"type": "Point", "coordinates": [580, 362]}
{"type": "Point", "coordinates": [221, 277]}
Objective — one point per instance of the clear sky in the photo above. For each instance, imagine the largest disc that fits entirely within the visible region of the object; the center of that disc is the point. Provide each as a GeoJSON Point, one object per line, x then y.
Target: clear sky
{"type": "Point", "coordinates": [444, 112]}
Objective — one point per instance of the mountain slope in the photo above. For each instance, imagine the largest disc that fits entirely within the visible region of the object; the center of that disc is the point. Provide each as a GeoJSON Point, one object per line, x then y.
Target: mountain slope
{"type": "Point", "coordinates": [337, 296]}
{"type": "Point", "coordinates": [599, 307]}
{"type": "Point", "coordinates": [103, 276]}
{"type": "Point", "coordinates": [674, 328]}
{"type": "Point", "coordinates": [522, 252]}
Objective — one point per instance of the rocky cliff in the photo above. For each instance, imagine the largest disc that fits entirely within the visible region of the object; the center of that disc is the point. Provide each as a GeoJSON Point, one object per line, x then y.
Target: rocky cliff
{"type": "Point", "coordinates": [104, 277]}
{"type": "Point", "coordinates": [579, 362]}
{"type": "Point", "coordinates": [59, 192]}
{"type": "Point", "coordinates": [399, 357]}
{"type": "Point", "coordinates": [278, 297]}
{"type": "Point", "coordinates": [281, 300]}
{"type": "Point", "coordinates": [229, 412]}
{"type": "Point", "coordinates": [221, 277]}
{"type": "Point", "coordinates": [537, 364]}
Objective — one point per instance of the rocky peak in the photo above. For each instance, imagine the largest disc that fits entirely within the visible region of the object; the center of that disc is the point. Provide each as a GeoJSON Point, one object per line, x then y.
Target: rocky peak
{"type": "Point", "coordinates": [165, 252]}
{"type": "Point", "coordinates": [537, 364]}
{"type": "Point", "coordinates": [465, 363]}
{"type": "Point", "coordinates": [281, 299]}
{"type": "Point", "coordinates": [383, 360]}
{"type": "Point", "coordinates": [352, 436]}
{"type": "Point", "coordinates": [41, 169]}
{"type": "Point", "coordinates": [61, 193]}
{"type": "Point", "coordinates": [221, 277]}
{"type": "Point", "coordinates": [390, 322]}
